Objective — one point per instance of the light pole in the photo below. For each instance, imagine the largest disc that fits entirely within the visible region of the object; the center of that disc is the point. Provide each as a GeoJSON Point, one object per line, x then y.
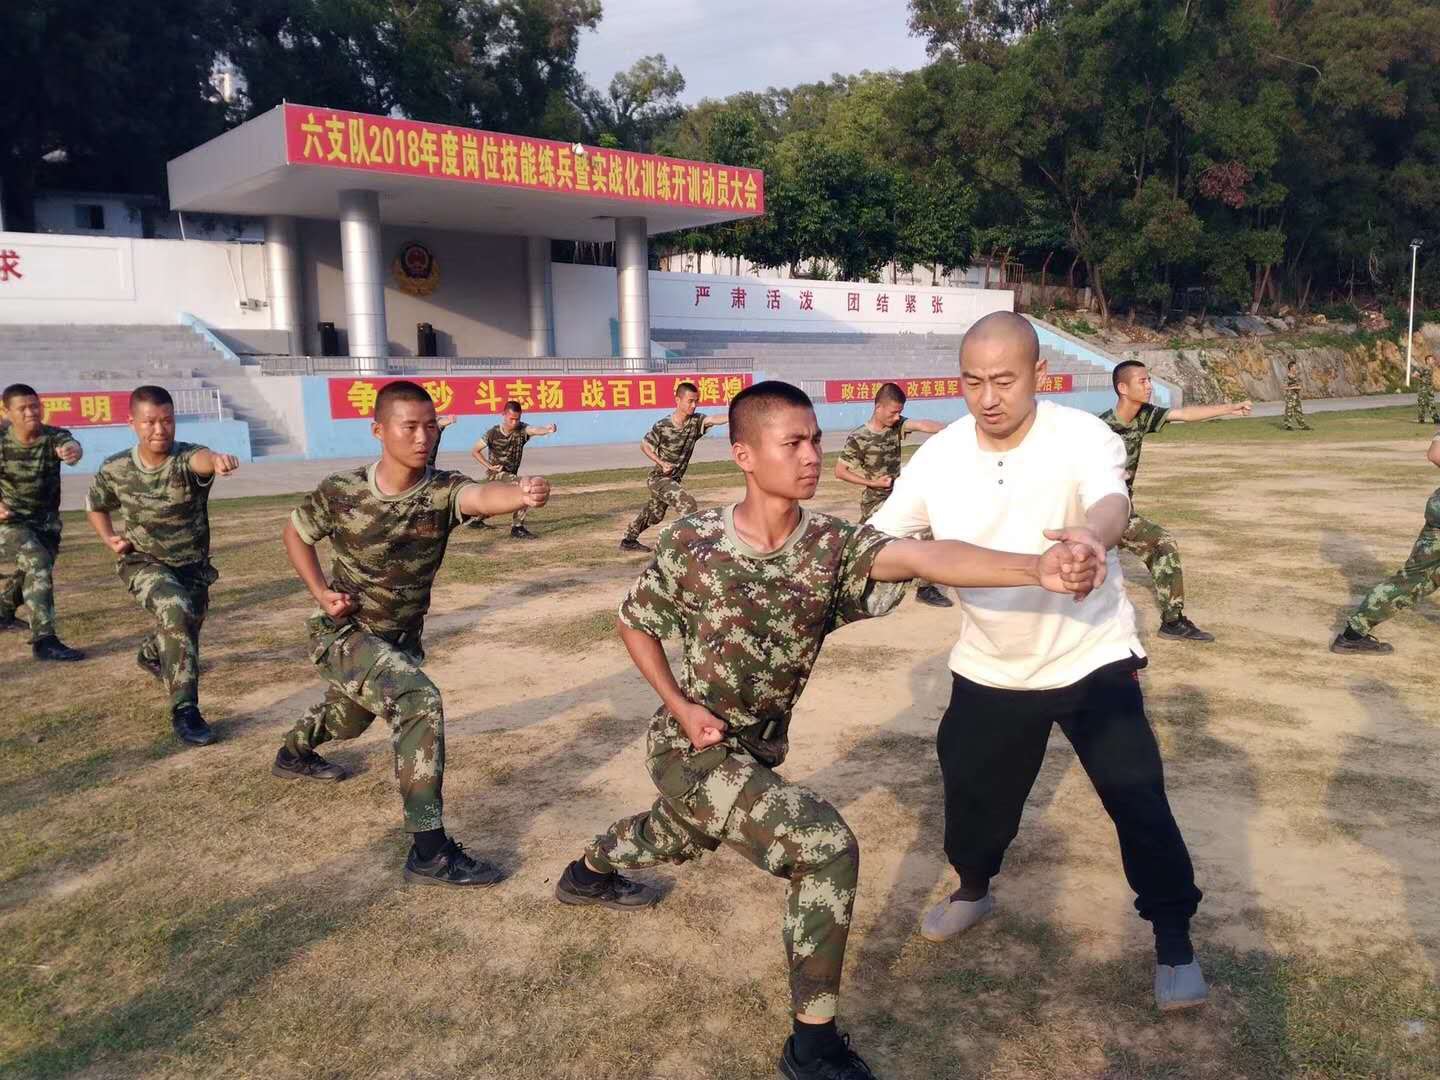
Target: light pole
{"type": "Point", "coordinates": [1410, 337]}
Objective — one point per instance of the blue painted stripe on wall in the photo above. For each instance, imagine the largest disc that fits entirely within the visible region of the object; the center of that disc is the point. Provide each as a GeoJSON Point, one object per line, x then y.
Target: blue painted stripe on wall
{"type": "Point", "coordinates": [225, 436]}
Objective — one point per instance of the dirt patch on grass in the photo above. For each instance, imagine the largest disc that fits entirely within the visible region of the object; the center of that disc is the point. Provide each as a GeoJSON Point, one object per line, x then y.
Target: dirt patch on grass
{"type": "Point", "coordinates": [180, 913]}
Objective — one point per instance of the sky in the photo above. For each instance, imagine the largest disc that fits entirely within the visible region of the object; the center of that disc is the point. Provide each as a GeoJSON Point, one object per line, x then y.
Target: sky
{"type": "Point", "coordinates": [723, 46]}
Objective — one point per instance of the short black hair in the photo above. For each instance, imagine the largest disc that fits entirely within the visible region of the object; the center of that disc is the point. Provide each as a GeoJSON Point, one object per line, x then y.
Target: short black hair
{"type": "Point", "coordinates": [1119, 374]}
{"type": "Point", "coordinates": [1292, 363]}
{"type": "Point", "coordinates": [687, 388]}
{"type": "Point", "coordinates": [399, 390]}
{"type": "Point", "coordinates": [514, 406]}
{"type": "Point", "coordinates": [890, 392]}
{"type": "Point", "coordinates": [150, 395]}
{"type": "Point", "coordinates": [15, 390]}
{"type": "Point", "coordinates": [749, 407]}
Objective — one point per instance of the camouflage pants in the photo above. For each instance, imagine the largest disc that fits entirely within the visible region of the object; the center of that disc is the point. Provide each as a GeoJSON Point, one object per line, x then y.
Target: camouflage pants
{"type": "Point", "coordinates": [374, 675]}
{"type": "Point", "coordinates": [1157, 549]}
{"type": "Point", "coordinates": [1418, 578]}
{"type": "Point", "coordinates": [177, 597]}
{"type": "Point", "coordinates": [1425, 401]}
{"type": "Point", "coordinates": [27, 555]}
{"type": "Point", "coordinates": [1294, 415]}
{"type": "Point", "coordinates": [782, 828]}
{"type": "Point", "coordinates": [517, 518]}
{"type": "Point", "coordinates": [665, 493]}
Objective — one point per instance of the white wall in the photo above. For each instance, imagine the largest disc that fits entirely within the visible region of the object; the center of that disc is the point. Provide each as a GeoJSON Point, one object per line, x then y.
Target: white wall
{"type": "Point", "coordinates": [55, 213]}
{"type": "Point", "coordinates": [586, 301]}
{"type": "Point", "coordinates": [110, 279]}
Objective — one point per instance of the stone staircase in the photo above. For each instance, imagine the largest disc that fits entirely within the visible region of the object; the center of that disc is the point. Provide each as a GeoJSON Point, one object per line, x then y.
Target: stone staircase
{"type": "Point", "coordinates": [839, 356]}
{"type": "Point", "coordinates": [72, 357]}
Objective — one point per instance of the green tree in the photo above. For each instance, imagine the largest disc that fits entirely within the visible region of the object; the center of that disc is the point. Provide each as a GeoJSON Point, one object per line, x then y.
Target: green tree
{"type": "Point", "coordinates": [639, 104]}
{"type": "Point", "coordinates": [101, 95]}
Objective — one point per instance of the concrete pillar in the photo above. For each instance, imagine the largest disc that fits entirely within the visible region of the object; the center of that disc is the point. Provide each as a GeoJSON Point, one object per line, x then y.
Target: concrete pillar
{"type": "Point", "coordinates": [537, 292]}
{"type": "Point", "coordinates": [282, 271]}
{"type": "Point", "coordinates": [632, 263]}
{"type": "Point", "coordinates": [363, 264]}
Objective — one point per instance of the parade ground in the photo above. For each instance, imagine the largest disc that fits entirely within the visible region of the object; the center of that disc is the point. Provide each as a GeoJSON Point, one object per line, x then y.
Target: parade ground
{"type": "Point", "coordinates": [179, 912]}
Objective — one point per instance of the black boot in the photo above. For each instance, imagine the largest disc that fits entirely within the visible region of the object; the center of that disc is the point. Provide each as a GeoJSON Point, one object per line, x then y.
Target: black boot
{"type": "Point", "coordinates": [520, 532]}
{"type": "Point", "coordinates": [10, 622]}
{"type": "Point", "coordinates": [452, 868]}
{"type": "Point", "coordinates": [52, 648]}
{"type": "Point", "coordinates": [191, 727]}
{"type": "Point", "coordinates": [603, 890]}
{"type": "Point", "coordinates": [306, 766]}
{"type": "Point", "coordinates": [929, 594]}
{"type": "Point", "coordinates": [631, 544]}
{"type": "Point", "coordinates": [847, 1065]}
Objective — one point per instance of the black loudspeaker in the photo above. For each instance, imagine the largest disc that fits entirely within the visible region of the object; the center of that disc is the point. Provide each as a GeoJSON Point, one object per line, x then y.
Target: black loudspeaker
{"type": "Point", "coordinates": [329, 339]}
{"type": "Point", "coordinates": [425, 340]}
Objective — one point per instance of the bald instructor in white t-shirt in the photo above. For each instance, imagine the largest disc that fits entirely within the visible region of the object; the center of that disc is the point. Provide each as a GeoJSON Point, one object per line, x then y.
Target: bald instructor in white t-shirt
{"type": "Point", "coordinates": [1011, 473]}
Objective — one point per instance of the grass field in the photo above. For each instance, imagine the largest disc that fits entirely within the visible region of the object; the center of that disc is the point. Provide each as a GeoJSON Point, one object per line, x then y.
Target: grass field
{"type": "Point", "coordinates": [180, 913]}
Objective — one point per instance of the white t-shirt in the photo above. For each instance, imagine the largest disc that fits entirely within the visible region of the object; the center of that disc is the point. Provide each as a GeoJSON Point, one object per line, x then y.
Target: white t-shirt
{"type": "Point", "coordinates": [1021, 638]}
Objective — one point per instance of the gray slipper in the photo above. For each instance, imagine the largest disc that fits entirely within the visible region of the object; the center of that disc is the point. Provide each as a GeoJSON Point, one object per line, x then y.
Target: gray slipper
{"type": "Point", "coordinates": [950, 917]}
{"type": "Point", "coordinates": [1180, 987]}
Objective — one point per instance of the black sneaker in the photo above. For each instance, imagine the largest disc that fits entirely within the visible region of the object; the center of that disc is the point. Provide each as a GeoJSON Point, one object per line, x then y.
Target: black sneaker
{"type": "Point", "coordinates": [632, 545]}
{"type": "Point", "coordinates": [10, 622]}
{"type": "Point", "coordinates": [1360, 644]}
{"type": "Point", "coordinates": [308, 766]}
{"type": "Point", "coordinates": [520, 532]}
{"type": "Point", "coordinates": [52, 648]}
{"type": "Point", "coordinates": [615, 891]}
{"type": "Point", "coordinates": [452, 868]}
{"type": "Point", "coordinates": [1182, 629]}
{"type": "Point", "coordinates": [191, 727]}
{"type": "Point", "coordinates": [477, 523]}
{"type": "Point", "coordinates": [149, 665]}
{"type": "Point", "coordinates": [848, 1066]}
{"type": "Point", "coordinates": [929, 594]}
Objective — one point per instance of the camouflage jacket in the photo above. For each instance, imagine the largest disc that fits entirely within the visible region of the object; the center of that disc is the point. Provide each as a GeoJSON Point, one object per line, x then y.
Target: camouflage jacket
{"type": "Point", "coordinates": [752, 623]}
{"type": "Point", "coordinates": [1150, 419]}
{"type": "Point", "coordinates": [167, 509]}
{"type": "Point", "coordinates": [674, 444]}
{"type": "Point", "coordinates": [505, 448]}
{"type": "Point", "coordinates": [30, 475]}
{"type": "Point", "coordinates": [873, 454]}
{"type": "Point", "coordinates": [387, 548]}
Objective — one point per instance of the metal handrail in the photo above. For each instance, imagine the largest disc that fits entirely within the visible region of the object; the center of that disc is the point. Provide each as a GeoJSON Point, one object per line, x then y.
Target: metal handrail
{"type": "Point", "coordinates": [201, 402]}
{"type": "Point", "coordinates": [274, 364]}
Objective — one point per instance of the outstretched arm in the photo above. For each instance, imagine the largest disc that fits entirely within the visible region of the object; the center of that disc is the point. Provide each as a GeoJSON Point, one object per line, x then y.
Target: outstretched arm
{"type": "Point", "coordinates": [716, 421]}
{"type": "Point", "coordinates": [548, 429]}
{"type": "Point", "coordinates": [700, 725]}
{"type": "Point", "coordinates": [70, 452]}
{"type": "Point", "coordinates": [209, 463]}
{"type": "Point", "coordinates": [925, 427]}
{"type": "Point", "coordinates": [1065, 567]}
{"type": "Point", "coordinates": [1192, 414]}
{"type": "Point", "coordinates": [492, 500]}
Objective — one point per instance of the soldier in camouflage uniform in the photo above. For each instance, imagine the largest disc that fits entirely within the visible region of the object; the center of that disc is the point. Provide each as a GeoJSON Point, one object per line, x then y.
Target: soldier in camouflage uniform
{"type": "Point", "coordinates": [1425, 393]}
{"type": "Point", "coordinates": [1294, 414]}
{"type": "Point", "coordinates": [1132, 418]}
{"type": "Point", "coordinates": [669, 445]}
{"type": "Point", "coordinates": [500, 452]}
{"type": "Point", "coordinates": [163, 486]}
{"type": "Point", "coordinates": [388, 525]}
{"type": "Point", "coordinates": [871, 460]}
{"type": "Point", "coordinates": [1418, 578]}
{"type": "Point", "coordinates": [30, 455]}
{"type": "Point", "coordinates": [752, 590]}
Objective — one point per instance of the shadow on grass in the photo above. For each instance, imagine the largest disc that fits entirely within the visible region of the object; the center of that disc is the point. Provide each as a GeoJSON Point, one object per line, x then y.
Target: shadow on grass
{"type": "Point", "coordinates": [210, 958]}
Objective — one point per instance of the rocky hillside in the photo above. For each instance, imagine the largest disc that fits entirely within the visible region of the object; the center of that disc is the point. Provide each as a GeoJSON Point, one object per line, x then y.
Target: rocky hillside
{"type": "Point", "coordinates": [1231, 359]}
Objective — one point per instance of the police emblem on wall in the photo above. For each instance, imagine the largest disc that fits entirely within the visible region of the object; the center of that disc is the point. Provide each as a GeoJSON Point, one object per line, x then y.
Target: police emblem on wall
{"type": "Point", "coordinates": [415, 270]}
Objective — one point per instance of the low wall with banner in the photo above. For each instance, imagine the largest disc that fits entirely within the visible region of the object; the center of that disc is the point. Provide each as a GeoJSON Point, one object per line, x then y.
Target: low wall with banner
{"type": "Point", "coordinates": [589, 410]}
{"type": "Point", "coordinates": [600, 409]}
